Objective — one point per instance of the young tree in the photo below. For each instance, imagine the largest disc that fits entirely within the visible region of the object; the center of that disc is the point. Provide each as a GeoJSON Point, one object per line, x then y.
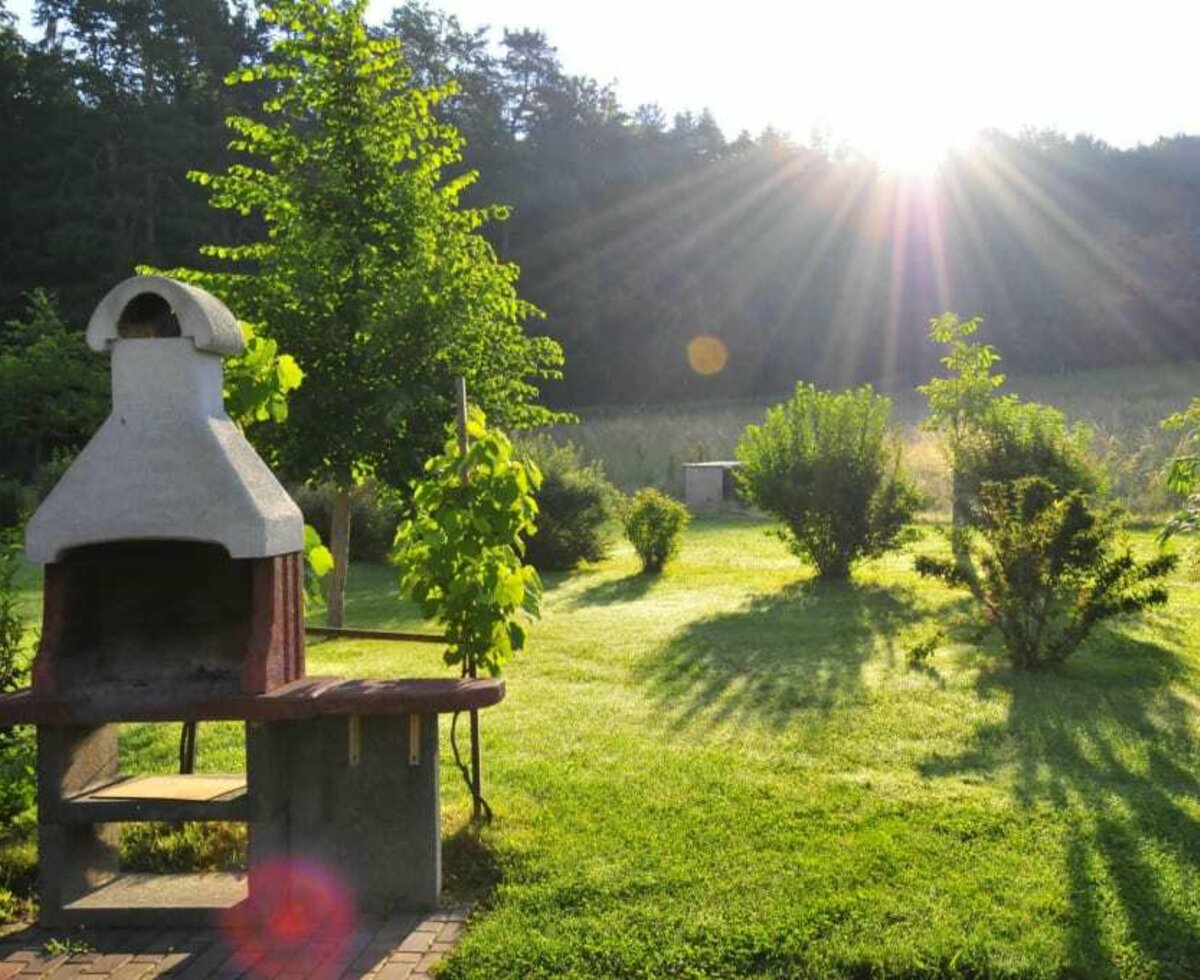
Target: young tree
{"type": "Point", "coordinates": [370, 273]}
{"type": "Point", "coordinates": [959, 402]}
{"type": "Point", "coordinates": [988, 437]}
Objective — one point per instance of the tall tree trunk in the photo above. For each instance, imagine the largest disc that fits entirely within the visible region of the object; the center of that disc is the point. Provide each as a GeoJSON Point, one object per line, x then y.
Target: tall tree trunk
{"type": "Point", "coordinates": [339, 544]}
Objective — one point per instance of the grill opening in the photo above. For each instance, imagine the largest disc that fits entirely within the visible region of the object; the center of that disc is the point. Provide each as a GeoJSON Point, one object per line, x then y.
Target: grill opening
{"type": "Point", "coordinates": [154, 617]}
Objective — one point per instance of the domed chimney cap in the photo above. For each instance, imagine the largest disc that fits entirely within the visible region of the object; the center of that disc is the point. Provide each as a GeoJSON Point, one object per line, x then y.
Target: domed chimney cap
{"type": "Point", "coordinates": [180, 309]}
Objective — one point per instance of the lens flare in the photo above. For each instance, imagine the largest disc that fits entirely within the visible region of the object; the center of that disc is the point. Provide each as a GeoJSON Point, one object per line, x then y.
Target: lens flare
{"type": "Point", "coordinates": [707, 354]}
{"type": "Point", "coordinates": [299, 916]}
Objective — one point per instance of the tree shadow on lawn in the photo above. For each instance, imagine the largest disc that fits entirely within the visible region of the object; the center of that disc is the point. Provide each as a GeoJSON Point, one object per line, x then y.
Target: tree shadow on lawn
{"type": "Point", "coordinates": [471, 869]}
{"type": "Point", "coordinates": [801, 648]}
{"type": "Point", "coordinates": [613, 591]}
{"type": "Point", "coordinates": [1106, 737]}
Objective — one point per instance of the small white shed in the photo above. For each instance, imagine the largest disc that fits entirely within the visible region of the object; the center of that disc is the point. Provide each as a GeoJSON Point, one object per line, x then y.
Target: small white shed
{"type": "Point", "coordinates": [709, 487]}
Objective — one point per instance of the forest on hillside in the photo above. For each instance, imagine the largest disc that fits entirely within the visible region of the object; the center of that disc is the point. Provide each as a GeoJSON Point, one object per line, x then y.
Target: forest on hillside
{"type": "Point", "coordinates": [635, 233]}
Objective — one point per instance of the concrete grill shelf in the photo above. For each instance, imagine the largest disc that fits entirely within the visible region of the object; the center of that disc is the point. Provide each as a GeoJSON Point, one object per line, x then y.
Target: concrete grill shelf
{"type": "Point", "coordinates": [173, 900]}
{"type": "Point", "coordinates": [166, 799]}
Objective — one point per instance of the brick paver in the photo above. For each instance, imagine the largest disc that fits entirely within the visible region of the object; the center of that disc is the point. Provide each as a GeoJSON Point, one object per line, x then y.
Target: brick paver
{"type": "Point", "coordinates": [404, 946]}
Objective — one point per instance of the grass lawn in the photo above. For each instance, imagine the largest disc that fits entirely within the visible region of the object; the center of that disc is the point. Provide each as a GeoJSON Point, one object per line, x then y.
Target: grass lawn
{"type": "Point", "coordinates": [731, 771]}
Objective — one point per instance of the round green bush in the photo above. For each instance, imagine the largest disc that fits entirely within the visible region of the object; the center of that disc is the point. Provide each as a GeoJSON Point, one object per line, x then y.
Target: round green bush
{"type": "Point", "coordinates": [654, 525]}
{"type": "Point", "coordinates": [574, 504]}
{"type": "Point", "coordinates": [826, 465]}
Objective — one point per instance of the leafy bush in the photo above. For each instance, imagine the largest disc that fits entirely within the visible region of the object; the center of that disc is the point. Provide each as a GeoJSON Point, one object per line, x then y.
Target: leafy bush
{"type": "Point", "coordinates": [574, 503]}
{"type": "Point", "coordinates": [1016, 439]}
{"type": "Point", "coordinates": [1183, 476]}
{"type": "Point", "coordinates": [14, 504]}
{"type": "Point", "coordinates": [53, 390]}
{"type": "Point", "coordinates": [376, 513]}
{"type": "Point", "coordinates": [460, 554]}
{"type": "Point", "coordinates": [1048, 569]}
{"type": "Point", "coordinates": [826, 466]}
{"type": "Point", "coordinates": [654, 524]}
{"type": "Point", "coordinates": [17, 752]}
{"type": "Point", "coordinates": [990, 437]}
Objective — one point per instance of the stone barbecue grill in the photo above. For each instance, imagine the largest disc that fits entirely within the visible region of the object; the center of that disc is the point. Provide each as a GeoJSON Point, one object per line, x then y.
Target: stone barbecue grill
{"type": "Point", "coordinates": [174, 592]}
{"type": "Point", "coordinates": [173, 556]}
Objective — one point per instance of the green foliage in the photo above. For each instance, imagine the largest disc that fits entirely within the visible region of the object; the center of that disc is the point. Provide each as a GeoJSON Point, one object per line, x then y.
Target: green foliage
{"type": "Point", "coordinates": [12, 627]}
{"type": "Point", "coordinates": [376, 510]}
{"type": "Point", "coordinates": [15, 501]}
{"type": "Point", "coordinates": [1183, 475]}
{"type": "Point", "coordinates": [1049, 568]}
{"type": "Point", "coordinates": [574, 503]}
{"type": "Point", "coordinates": [923, 644]}
{"type": "Point", "coordinates": [318, 562]}
{"type": "Point", "coordinates": [53, 389]}
{"type": "Point", "coordinates": [826, 465]}
{"type": "Point", "coordinates": [258, 383]}
{"type": "Point", "coordinates": [958, 402]}
{"type": "Point", "coordinates": [168, 848]}
{"type": "Point", "coordinates": [1018, 439]}
{"type": "Point", "coordinates": [654, 524]}
{"type": "Point", "coordinates": [370, 273]}
{"type": "Point", "coordinates": [17, 753]}
{"type": "Point", "coordinates": [460, 554]}
{"type": "Point", "coordinates": [989, 437]}
{"type": "Point", "coordinates": [70, 946]}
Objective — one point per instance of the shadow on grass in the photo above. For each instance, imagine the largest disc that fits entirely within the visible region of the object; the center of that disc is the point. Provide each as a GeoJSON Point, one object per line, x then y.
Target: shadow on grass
{"type": "Point", "coordinates": [1106, 739]}
{"type": "Point", "coordinates": [470, 868]}
{"type": "Point", "coordinates": [800, 648]}
{"type": "Point", "coordinates": [614, 591]}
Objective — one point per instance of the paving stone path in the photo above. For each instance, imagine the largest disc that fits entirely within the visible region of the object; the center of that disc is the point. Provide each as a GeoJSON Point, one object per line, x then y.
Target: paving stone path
{"type": "Point", "coordinates": [393, 949]}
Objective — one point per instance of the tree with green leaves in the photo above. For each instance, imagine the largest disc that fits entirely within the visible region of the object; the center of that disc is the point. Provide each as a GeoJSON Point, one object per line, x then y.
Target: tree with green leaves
{"type": "Point", "coordinates": [959, 402]}
{"type": "Point", "coordinates": [370, 272]}
{"type": "Point", "coordinates": [993, 437]}
{"type": "Point", "coordinates": [53, 390]}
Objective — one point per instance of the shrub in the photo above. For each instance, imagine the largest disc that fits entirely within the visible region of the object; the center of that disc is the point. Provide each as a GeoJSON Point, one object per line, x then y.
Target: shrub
{"type": "Point", "coordinates": [654, 525]}
{"type": "Point", "coordinates": [1183, 476]}
{"type": "Point", "coordinates": [16, 747]}
{"type": "Point", "coordinates": [826, 466]}
{"type": "Point", "coordinates": [376, 513]}
{"type": "Point", "coordinates": [1016, 439]}
{"type": "Point", "coordinates": [460, 554]}
{"type": "Point", "coordinates": [991, 437]}
{"type": "Point", "coordinates": [574, 503]}
{"type": "Point", "coordinates": [1048, 568]}
{"type": "Point", "coordinates": [14, 504]}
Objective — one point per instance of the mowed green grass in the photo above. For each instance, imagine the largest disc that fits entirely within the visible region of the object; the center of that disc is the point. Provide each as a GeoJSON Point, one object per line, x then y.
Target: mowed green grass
{"type": "Point", "coordinates": [729, 770]}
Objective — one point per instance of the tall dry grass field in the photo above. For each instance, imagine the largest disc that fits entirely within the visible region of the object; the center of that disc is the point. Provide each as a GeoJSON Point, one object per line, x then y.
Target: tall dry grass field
{"type": "Point", "coordinates": [648, 445]}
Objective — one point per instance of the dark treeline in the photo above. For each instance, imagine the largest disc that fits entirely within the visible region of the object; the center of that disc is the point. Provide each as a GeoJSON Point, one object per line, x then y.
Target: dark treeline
{"type": "Point", "coordinates": [635, 233]}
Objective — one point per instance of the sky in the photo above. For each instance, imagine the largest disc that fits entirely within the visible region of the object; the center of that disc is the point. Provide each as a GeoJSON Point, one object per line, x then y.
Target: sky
{"type": "Point", "coordinates": [901, 80]}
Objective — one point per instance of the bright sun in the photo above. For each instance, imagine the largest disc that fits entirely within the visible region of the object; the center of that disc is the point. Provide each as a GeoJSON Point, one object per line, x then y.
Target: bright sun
{"type": "Point", "coordinates": [912, 153]}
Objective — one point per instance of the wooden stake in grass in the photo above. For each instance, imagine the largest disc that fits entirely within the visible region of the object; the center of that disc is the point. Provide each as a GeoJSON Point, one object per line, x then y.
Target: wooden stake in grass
{"type": "Point", "coordinates": [477, 804]}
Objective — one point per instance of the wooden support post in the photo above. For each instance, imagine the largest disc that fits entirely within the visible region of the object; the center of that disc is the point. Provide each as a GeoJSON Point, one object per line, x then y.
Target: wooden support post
{"type": "Point", "coordinates": [187, 747]}
{"type": "Point", "coordinates": [460, 397]}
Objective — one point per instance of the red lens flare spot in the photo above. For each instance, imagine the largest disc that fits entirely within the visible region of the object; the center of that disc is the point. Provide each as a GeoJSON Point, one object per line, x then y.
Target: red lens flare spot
{"type": "Point", "coordinates": [298, 916]}
{"type": "Point", "coordinates": [707, 354]}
